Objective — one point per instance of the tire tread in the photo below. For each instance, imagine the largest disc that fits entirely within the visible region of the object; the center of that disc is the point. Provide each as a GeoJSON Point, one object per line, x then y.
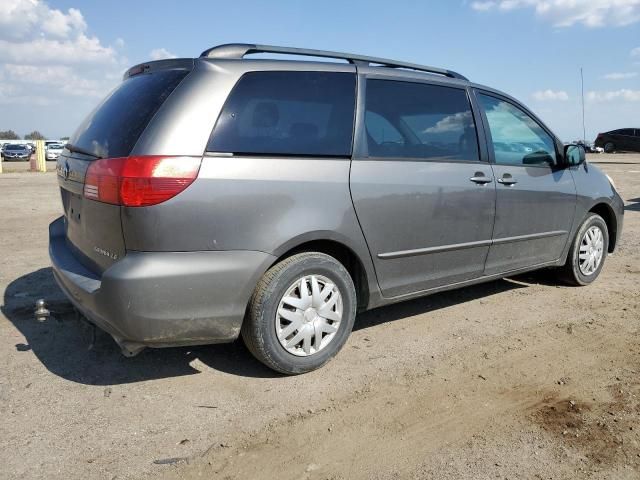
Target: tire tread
{"type": "Point", "coordinates": [251, 328]}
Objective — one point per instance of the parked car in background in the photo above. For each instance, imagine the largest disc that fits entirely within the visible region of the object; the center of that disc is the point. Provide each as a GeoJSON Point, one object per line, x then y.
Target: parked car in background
{"type": "Point", "coordinates": [588, 146]}
{"type": "Point", "coordinates": [53, 151]}
{"type": "Point", "coordinates": [623, 139]}
{"type": "Point", "coordinates": [47, 143]}
{"type": "Point", "coordinates": [15, 151]}
{"type": "Point", "coordinates": [308, 206]}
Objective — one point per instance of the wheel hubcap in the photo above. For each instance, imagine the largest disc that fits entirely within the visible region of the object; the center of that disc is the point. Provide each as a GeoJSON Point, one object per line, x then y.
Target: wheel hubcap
{"type": "Point", "coordinates": [591, 250]}
{"type": "Point", "coordinates": [309, 315]}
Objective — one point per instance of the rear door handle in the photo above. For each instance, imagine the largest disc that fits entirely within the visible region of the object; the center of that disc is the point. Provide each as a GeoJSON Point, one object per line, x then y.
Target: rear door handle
{"type": "Point", "coordinates": [480, 178]}
{"type": "Point", "coordinates": [507, 180]}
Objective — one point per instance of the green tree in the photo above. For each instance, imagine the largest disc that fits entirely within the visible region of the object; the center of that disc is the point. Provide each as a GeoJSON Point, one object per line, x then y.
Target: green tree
{"type": "Point", "coordinates": [35, 135]}
{"type": "Point", "coordinates": [8, 135]}
{"type": "Point", "coordinates": [64, 138]}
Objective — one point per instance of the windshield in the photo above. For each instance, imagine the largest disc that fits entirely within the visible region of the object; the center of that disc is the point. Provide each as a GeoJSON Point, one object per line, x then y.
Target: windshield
{"type": "Point", "coordinates": [56, 146]}
{"type": "Point", "coordinates": [14, 147]}
{"type": "Point", "coordinates": [114, 127]}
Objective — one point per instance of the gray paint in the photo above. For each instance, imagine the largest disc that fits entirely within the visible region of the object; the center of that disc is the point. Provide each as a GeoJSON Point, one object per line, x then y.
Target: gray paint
{"type": "Point", "coordinates": [405, 205]}
{"type": "Point", "coordinates": [161, 298]}
{"type": "Point", "coordinates": [185, 269]}
{"type": "Point", "coordinates": [541, 204]}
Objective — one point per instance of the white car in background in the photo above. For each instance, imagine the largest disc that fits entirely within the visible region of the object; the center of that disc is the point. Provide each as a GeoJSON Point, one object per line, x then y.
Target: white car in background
{"type": "Point", "coordinates": [53, 151]}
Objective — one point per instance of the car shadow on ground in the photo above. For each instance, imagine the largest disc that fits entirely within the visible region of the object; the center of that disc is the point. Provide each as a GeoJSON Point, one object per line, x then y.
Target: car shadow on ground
{"type": "Point", "coordinates": [633, 205]}
{"type": "Point", "coordinates": [66, 346]}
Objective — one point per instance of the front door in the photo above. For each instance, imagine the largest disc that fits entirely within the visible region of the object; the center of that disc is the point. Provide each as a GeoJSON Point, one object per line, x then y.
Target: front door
{"type": "Point", "coordinates": [424, 197]}
{"type": "Point", "coordinates": [535, 196]}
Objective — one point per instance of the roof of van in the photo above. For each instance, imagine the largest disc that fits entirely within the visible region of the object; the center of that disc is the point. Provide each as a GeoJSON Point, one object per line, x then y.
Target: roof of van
{"type": "Point", "coordinates": [237, 51]}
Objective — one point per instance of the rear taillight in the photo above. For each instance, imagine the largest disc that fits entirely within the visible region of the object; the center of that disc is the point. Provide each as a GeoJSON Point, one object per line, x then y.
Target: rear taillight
{"type": "Point", "coordinates": [139, 181]}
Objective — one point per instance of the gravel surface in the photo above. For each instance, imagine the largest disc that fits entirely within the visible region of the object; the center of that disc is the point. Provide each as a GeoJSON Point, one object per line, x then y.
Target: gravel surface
{"type": "Point", "coordinates": [19, 167]}
{"type": "Point", "coordinates": [517, 378]}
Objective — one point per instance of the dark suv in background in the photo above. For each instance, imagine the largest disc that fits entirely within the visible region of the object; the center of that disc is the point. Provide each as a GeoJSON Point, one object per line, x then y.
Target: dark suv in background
{"type": "Point", "coordinates": [221, 196]}
{"type": "Point", "coordinates": [623, 139]}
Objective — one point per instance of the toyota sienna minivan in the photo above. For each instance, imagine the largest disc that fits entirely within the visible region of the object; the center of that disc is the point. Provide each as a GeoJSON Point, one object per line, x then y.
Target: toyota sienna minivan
{"type": "Point", "coordinates": [224, 196]}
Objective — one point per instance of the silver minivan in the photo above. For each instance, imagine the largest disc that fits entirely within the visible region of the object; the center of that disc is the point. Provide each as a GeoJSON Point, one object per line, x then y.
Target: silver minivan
{"type": "Point", "coordinates": [221, 196]}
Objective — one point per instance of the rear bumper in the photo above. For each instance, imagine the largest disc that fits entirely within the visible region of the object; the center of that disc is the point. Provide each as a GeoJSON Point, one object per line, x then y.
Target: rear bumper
{"type": "Point", "coordinates": [161, 299]}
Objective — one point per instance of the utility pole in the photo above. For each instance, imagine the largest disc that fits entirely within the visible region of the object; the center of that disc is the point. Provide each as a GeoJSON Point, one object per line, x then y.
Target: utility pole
{"type": "Point", "coordinates": [584, 131]}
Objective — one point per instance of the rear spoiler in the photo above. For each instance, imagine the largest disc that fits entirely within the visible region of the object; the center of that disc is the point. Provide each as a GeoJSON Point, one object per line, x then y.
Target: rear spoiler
{"type": "Point", "coordinates": [168, 64]}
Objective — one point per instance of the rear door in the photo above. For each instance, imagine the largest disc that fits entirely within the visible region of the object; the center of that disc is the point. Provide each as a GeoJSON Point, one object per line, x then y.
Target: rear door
{"type": "Point", "coordinates": [636, 140]}
{"type": "Point", "coordinates": [423, 193]}
{"type": "Point", "coordinates": [535, 196]}
{"type": "Point", "coordinates": [93, 229]}
{"type": "Point", "coordinates": [632, 139]}
{"type": "Point", "coordinates": [626, 139]}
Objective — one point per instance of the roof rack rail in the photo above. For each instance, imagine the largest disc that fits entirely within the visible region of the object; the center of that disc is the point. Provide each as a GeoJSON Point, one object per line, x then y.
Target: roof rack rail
{"type": "Point", "coordinates": [239, 50]}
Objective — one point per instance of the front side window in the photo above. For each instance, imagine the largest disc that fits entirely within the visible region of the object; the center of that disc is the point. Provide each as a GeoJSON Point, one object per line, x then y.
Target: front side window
{"type": "Point", "coordinates": [517, 138]}
{"type": "Point", "coordinates": [419, 121]}
{"type": "Point", "coordinates": [288, 113]}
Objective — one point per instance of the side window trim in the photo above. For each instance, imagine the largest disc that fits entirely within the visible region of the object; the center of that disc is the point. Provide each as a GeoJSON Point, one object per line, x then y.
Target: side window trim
{"type": "Point", "coordinates": [360, 148]}
{"type": "Point", "coordinates": [482, 128]}
{"type": "Point", "coordinates": [515, 104]}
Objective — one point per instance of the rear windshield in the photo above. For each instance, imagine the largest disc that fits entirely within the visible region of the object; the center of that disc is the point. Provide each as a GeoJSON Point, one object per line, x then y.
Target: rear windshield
{"type": "Point", "coordinates": [113, 128]}
{"type": "Point", "coordinates": [288, 113]}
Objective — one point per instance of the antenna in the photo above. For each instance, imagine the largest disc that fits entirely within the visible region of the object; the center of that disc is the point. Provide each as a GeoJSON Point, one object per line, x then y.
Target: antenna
{"type": "Point", "coordinates": [584, 131]}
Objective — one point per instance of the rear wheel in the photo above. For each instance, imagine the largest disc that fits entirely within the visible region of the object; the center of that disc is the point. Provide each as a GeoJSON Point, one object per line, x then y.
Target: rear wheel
{"type": "Point", "coordinates": [301, 313]}
{"type": "Point", "coordinates": [588, 251]}
{"type": "Point", "coordinates": [609, 147]}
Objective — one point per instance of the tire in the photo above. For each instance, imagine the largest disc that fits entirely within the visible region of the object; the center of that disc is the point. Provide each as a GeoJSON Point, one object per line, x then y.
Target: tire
{"type": "Point", "coordinates": [572, 271]}
{"type": "Point", "coordinates": [609, 147]}
{"type": "Point", "coordinates": [264, 329]}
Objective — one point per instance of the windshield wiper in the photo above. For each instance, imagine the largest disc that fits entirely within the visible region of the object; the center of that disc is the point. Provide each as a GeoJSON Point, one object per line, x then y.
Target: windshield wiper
{"type": "Point", "coordinates": [73, 148]}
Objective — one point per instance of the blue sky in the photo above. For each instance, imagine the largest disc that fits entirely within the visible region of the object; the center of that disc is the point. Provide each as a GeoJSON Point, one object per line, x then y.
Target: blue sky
{"type": "Point", "coordinates": [61, 56]}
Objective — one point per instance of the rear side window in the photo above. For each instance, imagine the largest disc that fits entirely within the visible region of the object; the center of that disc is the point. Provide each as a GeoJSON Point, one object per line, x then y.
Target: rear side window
{"type": "Point", "coordinates": [419, 121]}
{"type": "Point", "coordinates": [288, 113]}
{"type": "Point", "coordinates": [114, 127]}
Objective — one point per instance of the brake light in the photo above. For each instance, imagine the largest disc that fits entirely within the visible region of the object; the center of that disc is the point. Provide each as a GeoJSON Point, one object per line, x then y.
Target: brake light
{"type": "Point", "coordinates": [139, 181]}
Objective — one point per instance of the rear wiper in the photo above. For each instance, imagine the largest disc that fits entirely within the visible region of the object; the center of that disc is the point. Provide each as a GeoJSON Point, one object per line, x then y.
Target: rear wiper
{"type": "Point", "coordinates": [73, 148]}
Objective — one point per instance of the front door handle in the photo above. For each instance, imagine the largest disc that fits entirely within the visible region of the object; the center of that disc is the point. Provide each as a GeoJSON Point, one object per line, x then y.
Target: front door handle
{"type": "Point", "coordinates": [480, 178]}
{"type": "Point", "coordinates": [507, 180]}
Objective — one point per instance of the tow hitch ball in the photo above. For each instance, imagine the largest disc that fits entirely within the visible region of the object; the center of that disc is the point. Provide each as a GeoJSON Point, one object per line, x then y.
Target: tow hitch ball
{"type": "Point", "coordinates": [42, 313]}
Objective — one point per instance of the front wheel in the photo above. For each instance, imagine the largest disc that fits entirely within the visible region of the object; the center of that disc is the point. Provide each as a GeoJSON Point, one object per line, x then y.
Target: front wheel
{"type": "Point", "coordinates": [588, 251]}
{"type": "Point", "coordinates": [301, 313]}
{"type": "Point", "coordinates": [609, 147]}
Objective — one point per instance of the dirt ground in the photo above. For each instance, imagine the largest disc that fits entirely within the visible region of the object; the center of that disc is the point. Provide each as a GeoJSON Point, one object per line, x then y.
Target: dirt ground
{"type": "Point", "coordinates": [18, 167]}
{"type": "Point", "coordinates": [514, 379]}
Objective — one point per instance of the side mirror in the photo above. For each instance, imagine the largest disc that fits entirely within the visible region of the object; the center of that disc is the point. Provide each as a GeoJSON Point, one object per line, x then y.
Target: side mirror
{"type": "Point", "coordinates": [574, 154]}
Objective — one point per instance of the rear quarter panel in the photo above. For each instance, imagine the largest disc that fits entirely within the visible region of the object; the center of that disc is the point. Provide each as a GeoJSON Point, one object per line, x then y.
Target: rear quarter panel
{"type": "Point", "coordinates": [266, 204]}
